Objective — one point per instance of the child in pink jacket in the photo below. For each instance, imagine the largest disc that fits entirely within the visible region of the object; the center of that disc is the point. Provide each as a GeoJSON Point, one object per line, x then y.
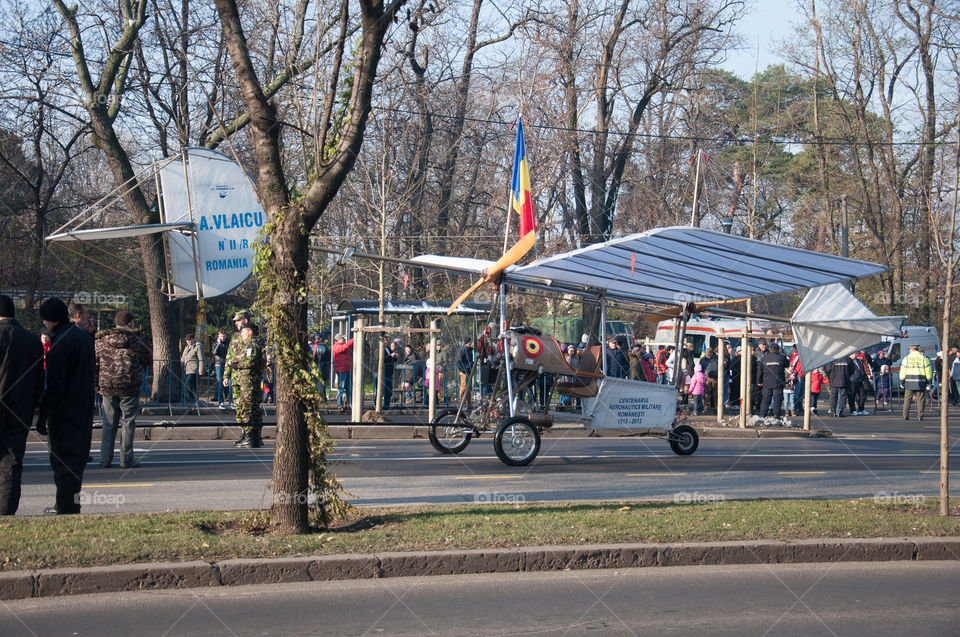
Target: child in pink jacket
{"type": "Point", "coordinates": [697, 383]}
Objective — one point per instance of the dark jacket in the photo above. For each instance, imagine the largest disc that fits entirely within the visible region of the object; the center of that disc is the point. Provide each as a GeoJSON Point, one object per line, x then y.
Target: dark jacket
{"type": "Point", "coordinates": [220, 351]}
{"type": "Point", "coordinates": [465, 359]}
{"type": "Point", "coordinates": [409, 373]}
{"type": "Point", "coordinates": [839, 373]}
{"type": "Point", "coordinates": [710, 366]}
{"type": "Point", "coordinates": [774, 365]}
{"type": "Point", "coordinates": [122, 353]}
{"type": "Point", "coordinates": [21, 373]}
{"type": "Point", "coordinates": [68, 399]}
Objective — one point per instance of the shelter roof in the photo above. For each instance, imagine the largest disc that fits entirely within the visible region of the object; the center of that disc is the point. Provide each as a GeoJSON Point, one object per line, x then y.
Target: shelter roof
{"type": "Point", "coordinates": [366, 306]}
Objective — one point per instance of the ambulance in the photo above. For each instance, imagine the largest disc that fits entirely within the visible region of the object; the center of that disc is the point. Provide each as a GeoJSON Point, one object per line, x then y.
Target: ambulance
{"type": "Point", "coordinates": [706, 332]}
{"type": "Point", "coordinates": [897, 347]}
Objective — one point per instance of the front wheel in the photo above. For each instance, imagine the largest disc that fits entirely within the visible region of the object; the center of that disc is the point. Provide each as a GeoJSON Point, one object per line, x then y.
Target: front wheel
{"type": "Point", "coordinates": [517, 442]}
{"type": "Point", "coordinates": [684, 440]}
{"type": "Point", "coordinates": [448, 434]}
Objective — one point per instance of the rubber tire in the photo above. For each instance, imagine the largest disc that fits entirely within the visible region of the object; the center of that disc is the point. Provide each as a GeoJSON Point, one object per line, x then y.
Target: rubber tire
{"type": "Point", "coordinates": [437, 443]}
{"type": "Point", "coordinates": [528, 429]}
{"type": "Point", "coordinates": [684, 440]}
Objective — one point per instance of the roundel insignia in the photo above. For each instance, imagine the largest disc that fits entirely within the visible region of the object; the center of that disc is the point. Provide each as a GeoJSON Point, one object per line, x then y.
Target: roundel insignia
{"type": "Point", "coordinates": [532, 347]}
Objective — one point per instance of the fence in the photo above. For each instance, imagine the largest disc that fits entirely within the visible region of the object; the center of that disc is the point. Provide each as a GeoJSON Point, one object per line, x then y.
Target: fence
{"type": "Point", "coordinates": [178, 390]}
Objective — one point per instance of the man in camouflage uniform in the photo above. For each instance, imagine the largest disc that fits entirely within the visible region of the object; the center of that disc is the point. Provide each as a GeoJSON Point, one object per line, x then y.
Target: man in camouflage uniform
{"type": "Point", "coordinates": [245, 364]}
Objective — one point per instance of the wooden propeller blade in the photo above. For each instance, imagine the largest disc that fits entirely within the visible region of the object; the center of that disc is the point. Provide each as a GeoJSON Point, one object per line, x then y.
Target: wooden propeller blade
{"type": "Point", "coordinates": [509, 257]}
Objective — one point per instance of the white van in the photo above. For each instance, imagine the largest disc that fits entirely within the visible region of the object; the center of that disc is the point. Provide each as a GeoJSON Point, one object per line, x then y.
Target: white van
{"type": "Point", "coordinates": [706, 332]}
{"type": "Point", "coordinates": [897, 346]}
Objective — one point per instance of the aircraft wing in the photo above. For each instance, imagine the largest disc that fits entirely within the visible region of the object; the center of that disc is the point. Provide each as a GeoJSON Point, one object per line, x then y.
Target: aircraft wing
{"type": "Point", "coordinates": [686, 265]}
{"type": "Point", "coordinates": [117, 232]}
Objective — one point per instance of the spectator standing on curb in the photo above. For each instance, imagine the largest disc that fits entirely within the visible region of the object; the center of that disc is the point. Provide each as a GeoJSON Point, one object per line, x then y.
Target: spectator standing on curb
{"type": "Point", "coordinates": [21, 385]}
{"type": "Point", "coordinates": [773, 366]}
{"type": "Point", "coordinates": [838, 375]}
{"type": "Point", "coordinates": [464, 367]}
{"type": "Point", "coordinates": [193, 368]}
{"type": "Point", "coordinates": [953, 367]}
{"type": "Point", "coordinates": [66, 408]}
{"type": "Point", "coordinates": [816, 385]}
{"type": "Point", "coordinates": [661, 362]}
{"type": "Point", "coordinates": [245, 363]}
{"type": "Point", "coordinates": [321, 356]}
{"type": "Point", "coordinates": [916, 372]}
{"type": "Point", "coordinates": [796, 369]}
{"type": "Point", "coordinates": [269, 380]}
{"type": "Point", "coordinates": [343, 367]}
{"type": "Point", "coordinates": [857, 377]}
{"type": "Point", "coordinates": [710, 365]}
{"type": "Point", "coordinates": [220, 349]}
{"type": "Point", "coordinates": [390, 359]}
{"type": "Point", "coordinates": [121, 356]}
{"type": "Point", "coordinates": [696, 389]}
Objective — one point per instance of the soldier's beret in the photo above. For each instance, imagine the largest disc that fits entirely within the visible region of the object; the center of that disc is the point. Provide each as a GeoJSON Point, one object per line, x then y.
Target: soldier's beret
{"type": "Point", "coordinates": [242, 314]}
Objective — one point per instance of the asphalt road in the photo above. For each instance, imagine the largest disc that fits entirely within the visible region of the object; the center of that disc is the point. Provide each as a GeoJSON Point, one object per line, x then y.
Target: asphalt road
{"type": "Point", "coordinates": [880, 599]}
{"type": "Point", "coordinates": [873, 457]}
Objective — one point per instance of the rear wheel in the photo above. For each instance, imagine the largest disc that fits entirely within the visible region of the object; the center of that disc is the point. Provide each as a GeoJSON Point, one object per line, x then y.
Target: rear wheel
{"type": "Point", "coordinates": [684, 440]}
{"type": "Point", "coordinates": [448, 434]}
{"type": "Point", "coordinates": [517, 441]}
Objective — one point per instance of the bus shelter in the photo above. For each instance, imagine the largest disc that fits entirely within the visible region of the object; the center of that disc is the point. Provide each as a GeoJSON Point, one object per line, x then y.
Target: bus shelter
{"type": "Point", "coordinates": [359, 318]}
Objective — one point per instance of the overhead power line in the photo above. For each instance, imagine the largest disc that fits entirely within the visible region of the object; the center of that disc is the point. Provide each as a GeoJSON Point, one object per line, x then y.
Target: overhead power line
{"type": "Point", "coordinates": [828, 141]}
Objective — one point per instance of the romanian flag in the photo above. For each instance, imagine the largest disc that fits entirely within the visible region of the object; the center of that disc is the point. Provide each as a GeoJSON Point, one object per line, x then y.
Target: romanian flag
{"type": "Point", "coordinates": [522, 201]}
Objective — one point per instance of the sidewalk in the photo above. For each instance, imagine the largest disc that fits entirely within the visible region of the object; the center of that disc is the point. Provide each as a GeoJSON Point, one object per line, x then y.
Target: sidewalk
{"type": "Point", "coordinates": [239, 572]}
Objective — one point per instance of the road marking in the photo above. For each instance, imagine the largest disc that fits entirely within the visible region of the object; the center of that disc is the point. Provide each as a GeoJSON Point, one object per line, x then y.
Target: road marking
{"type": "Point", "coordinates": [636, 475]}
{"type": "Point", "coordinates": [119, 485]}
{"type": "Point", "coordinates": [510, 477]}
{"type": "Point", "coordinates": [801, 473]}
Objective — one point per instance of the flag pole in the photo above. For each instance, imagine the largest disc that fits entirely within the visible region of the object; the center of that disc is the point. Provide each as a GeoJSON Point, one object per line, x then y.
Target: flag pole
{"type": "Point", "coordinates": [506, 227]}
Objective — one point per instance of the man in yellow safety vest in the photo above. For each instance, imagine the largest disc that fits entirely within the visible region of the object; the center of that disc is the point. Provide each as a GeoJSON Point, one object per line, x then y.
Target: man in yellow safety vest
{"type": "Point", "coordinates": [916, 372]}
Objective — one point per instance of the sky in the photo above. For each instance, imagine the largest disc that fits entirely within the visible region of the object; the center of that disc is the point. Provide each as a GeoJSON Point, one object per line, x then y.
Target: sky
{"type": "Point", "coordinates": [765, 22]}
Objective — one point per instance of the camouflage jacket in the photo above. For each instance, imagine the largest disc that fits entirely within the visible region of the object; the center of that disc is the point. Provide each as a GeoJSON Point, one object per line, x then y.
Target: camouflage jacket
{"type": "Point", "coordinates": [122, 354]}
{"type": "Point", "coordinates": [245, 358]}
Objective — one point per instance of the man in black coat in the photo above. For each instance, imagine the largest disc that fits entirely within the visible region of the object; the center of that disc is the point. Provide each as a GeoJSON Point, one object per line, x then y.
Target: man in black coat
{"type": "Point", "coordinates": [21, 383]}
{"type": "Point", "coordinates": [773, 366]}
{"type": "Point", "coordinates": [839, 373]}
{"type": "Point", "coordinates": [66, 408]}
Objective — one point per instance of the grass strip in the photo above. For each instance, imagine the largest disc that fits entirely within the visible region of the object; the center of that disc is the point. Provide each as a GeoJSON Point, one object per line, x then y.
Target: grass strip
{"type": "Point", "coordinates": [98, 540]}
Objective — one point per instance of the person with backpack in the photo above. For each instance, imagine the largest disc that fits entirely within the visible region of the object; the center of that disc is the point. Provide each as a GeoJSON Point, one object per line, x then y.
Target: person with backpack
{"type": "Point", "coordinates": [122, 354]}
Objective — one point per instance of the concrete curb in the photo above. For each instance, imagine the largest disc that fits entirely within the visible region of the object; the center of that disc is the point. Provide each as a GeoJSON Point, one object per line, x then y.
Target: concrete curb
{"type": "Point", "coordinates": [239, 572]}
{"type": "Point", "coordinates": [351, 431]}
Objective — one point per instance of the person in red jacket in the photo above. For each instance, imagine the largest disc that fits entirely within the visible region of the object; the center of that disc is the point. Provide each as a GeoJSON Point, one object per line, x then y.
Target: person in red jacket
{"type": "Point", "coordinates": [343, 368]}
{"type": "Point", "coordinates": [816, 384]}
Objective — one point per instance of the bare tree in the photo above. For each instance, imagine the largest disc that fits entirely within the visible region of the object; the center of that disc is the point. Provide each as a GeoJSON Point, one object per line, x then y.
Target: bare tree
{"type": "Point", "coordinates": [285, 258]}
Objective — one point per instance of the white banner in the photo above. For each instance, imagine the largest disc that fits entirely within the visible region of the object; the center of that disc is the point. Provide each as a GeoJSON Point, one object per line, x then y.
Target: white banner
{"type": "Point", "coordinates": [226, 218]}
{"type": "Point", "coordinates": [632, 405]}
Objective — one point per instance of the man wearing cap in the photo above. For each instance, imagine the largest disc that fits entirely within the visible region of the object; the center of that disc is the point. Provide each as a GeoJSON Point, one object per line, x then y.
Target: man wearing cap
{"type": "Point", "coordinates": [245, 365]}
{"type": "Point", "coordinates": [916, 372]}
{"type": "Point", "coordinates": [21, 383]}
{"type": "Point", "coordinates": [67, 405]}
{"type": "Point", "coordinates": [122, 354]}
